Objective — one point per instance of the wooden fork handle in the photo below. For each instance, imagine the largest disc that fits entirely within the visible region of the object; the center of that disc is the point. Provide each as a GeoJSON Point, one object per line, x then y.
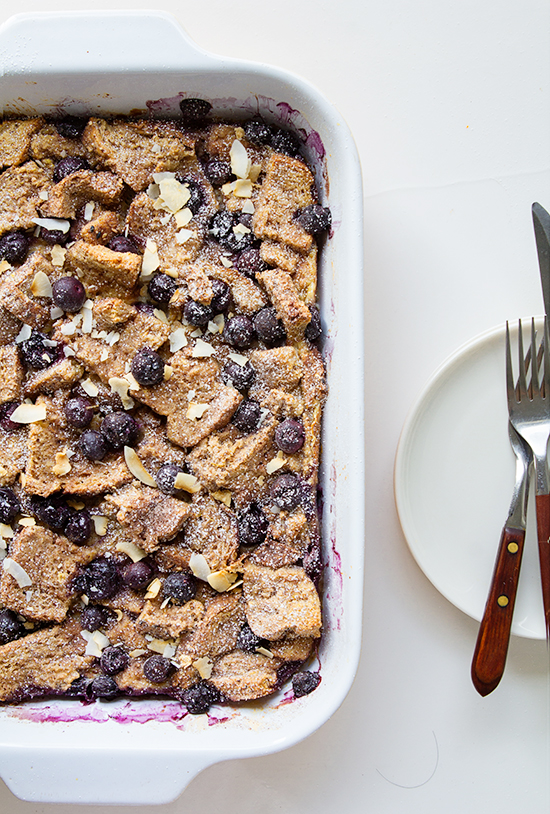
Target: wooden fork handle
{"type": "Point", "coordinates": [494, 631]}
{"type": "Point", "coordinates": [543, 530]}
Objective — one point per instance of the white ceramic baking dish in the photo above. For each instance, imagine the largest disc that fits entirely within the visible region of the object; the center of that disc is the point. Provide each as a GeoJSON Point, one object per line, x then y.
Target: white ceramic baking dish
{"type": "Point", "coordinates": [145, 752]}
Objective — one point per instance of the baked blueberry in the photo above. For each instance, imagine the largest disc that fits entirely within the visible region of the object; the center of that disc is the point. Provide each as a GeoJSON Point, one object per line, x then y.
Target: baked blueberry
{"type": "Point", "coordinates": [93, 617]}
{"type": "Point", "coordinates": [79, 527]}
{"type": "Point", "coordinates": [285, 142]}
{"type": "Point", "coordinates": [6, 410]}
{"type": "Point", "coordinates": [79, 413]}
{"type": "Point", "coordinates": [93, 445]}
{"type": "Point", "coordinates": [53, 511]}
{"type": "Point", "coordinates": [196, 195]}
{"type": "Point", "coordinates": [121, 243]}
{"type": "Point", "coordinates": [218, 172]}
{"type": "Point", "coordinates": [314, 328]}
{"type": "Point", "coordinates": [10, 627]}
{"type": "Point", "coordinates": [194, 111]}
{"type": "Point", "coordinates": [162, 288]}
{"type": "Point", "coordinates": [252, 525]}
{"type": "Point", "coordinates": [221, 225]}
{"type": "Point", "coordinates": [68, 165]}
{"type": "Point", "coordinates": [100, 579]}
{"type": "Point", "coordinates": [158, 669]}
{"type": "Point", "coordinates": [257, 131]}
{"type": "Point", "coordinates": [269, 327]}
{"type": "Point", "coordinates": [119, 430]}
{"type": "Point", "coordinates": [166, 477]}
{"type": "Point", "coordinates": [247, 416]}
{"type": "Point", "coordinates": [69, 294]}
{"type": "Point", "coordinates": [314, 218]}
{"type": "Point", "coordinates": [199, 697]}
{"type": "Point", "coordinates": [286, 491]}
{"type": "Point", "coordinates": [221, 299]}
{"type": "Point", "coordinates": [247, 639]}
{"type": "Point", "coordinates": [241, 377]}
{"type": "Point", "coordinates": [305, 682]}
{"type": "Point", "coordinates": [239, 331]}
{"type": "Point", "coordinates": [196, 313]}
{"type": "Point", "coordinates": [180, 586]}
{"type": "Point", "coordinates": [114, 660]}
{"type": "Point", "coordinates": [71, 126]}
{"type": "Point", "coordinates": [54, 236]}
{"type": "Point", "coordinates": [14, 247]}
{"type": "Point", "coordinates": [290, 435]}
{"type": "Point", "coordinates": [147, 367]}
{"type": "Point", "coordinates": [103, 687]}
{"type": "Point", "coordinates": [136, 575]}
{"type": "Point", "coordinates": [249, 262]}
{"type": "Point", "coordinates": [9, 505]}
{"type": "Point", "coordinates": [39, 351]}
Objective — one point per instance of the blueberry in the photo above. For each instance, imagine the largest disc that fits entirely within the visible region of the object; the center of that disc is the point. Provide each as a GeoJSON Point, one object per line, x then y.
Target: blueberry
{"type": "Point", "coordinates": [78, 688]}
{"type": "Point", "coordinates": [290, 435]}
{"type": "Point", "coordinates": [158, 669]}
{"type": "Point", "coordinates": [221, 225]}
{"type": "Point", "coordinates": [305, 682]}
{"type": "Point", "coordinates": [68, 294]}
{"type": "Point", "coordinates": [9, 505]}
{"type": "Point", "coordinates": [222, 297]}
{"type": "Point", "coordinates": [93, 445]}
{"type": "Point", "coordinates": [94, 617]}
{"type": "Point", "coordinates": [65, 167]}
{"type": "Point", "coordinates": [136, 575]}
{"type": "Point", "coordinates": [79, 413]}
{"type": "Point", "coordinates": [314, 329]}
{"type": "Point", "coordinates": [218, 172]}
{"type": "Point", "coordinates": [249, 262]}
{"type": "Point", "coordinates": [121, 243]}
{"type": "Point", "coordinates": [197, 314]}
{"type": "Point", "coordinates": [6, 410]}
{"type": "Point", "coordinates": [119, 430]}
{"type": "Point", "coordinates": [166, 476]}
{"type": "Point", "coordinates": [247, 416]}
{"type": "Point", "coordinates": [247, 640]}
{"type": "Point", "coordinates": [314, 218]}
{"type": "Point", "coordinates": [79, 527]}
{"type": "Point", "coordinates": [38, 351]}
{"type": "Point", "coordinates": [54, 236]}
{"type": "Point", "coordinates": [103, 687]}
{"type": "Point", "coordinates": [71, 126]}
{"type": "Point", "coordinates": [257, 131]}
{"type": "Point", "coordinates": [147, 368]}
{"type": "Point", "coordinates": [10, 627]}
{"type": "Point", "coordinates": [199, 697]}
{"type": "Point", "coordinates": [14, 247]}
{"type": "Point", "coordinates": [53, 511]}
{"type": "Point", "coordinates": [162, 288]}
{"type": "Point", "coordinates": [268, 327]}
{"type": "Point", "coordinates": [180, 586]}
{"type": "Point", "coordinates": [241, 377]}
{"type": "Point", "coordinates": [286, 491]}
{"type": "Point", "coordinates": [312, 563]}
{"type": "Point", "coordinates": [100, 579]}
{"type": "Point", "coordinates": [252, 525]}
{"type": "Point", "coordinates": [285, 142]}
{"type": "Point", "coordinates": [193, 111]}
{"type": "Point", "coordinates": [239, 331]}
{"type": "Point", "coordinates": [196, 195]}
{"type": "Point", "coordinates": [114, 660]}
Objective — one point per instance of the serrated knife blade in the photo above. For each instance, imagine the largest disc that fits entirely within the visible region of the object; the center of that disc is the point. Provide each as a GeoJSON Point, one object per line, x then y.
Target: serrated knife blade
{"type": "Point", "coordinates": [541, 222]}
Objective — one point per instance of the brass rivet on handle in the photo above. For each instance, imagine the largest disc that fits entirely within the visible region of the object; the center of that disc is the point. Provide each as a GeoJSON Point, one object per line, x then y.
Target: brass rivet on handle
{"type": "Point", "coordinates": [513, 548]}
{"type": "Point", "coordinates": [503, 601]}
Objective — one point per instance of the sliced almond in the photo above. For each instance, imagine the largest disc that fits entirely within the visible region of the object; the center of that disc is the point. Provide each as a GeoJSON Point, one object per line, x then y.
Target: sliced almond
{"type": "Point", "coordinates": [189, 483]}
{"type": "Point", "coordinates": [223, 495]}
{"type": "Point", "coordinates": [196, 411]}
{"type": "Point", "coordinates": [240, 162]}
{"type": "Point", "coordinates": [178, 340]}
{"type": "Point", "coordinates": [17, 572]}
{"type": "Point", "coordinates": [53, 224]}
{"type": "Point", "coordinates": [28, 413]}
{"type": "Point", "coordinates": [275, 463]}
{"type": "Point", "coordinates": [57, 255]}
{"type": "Point", "coordinates": [89, 387]}
{"type": "Point", "coordinates": [41, 286]}
{"type": "Point", "coordinates": [153, 589]}
{"type": "Point", "coordinates": [100, 524]}
{"type": "Point", "coordinates": [136, 467]}
{"type": "Point", "coordinates": [199, 566]}
{"type": "Point", "coordinates": [62, 464]}
{"type": "Point", "coordinates": [202, 349]}
{"type": "Point", "coordinates": [132, 550]}
{"type": "Point", "coordinates": [243, 188]}
{"type": "Point", "coordinates": [204, 667]}
{"type": "Point", "coordinates": [221, 580]}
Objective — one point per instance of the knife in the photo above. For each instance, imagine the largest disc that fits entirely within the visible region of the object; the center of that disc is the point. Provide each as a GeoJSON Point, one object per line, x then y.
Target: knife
{"type": "Point", "coordinates": [541, 223]}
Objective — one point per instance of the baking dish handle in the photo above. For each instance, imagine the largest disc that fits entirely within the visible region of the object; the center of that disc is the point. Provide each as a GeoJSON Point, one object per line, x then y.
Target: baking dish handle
{"type": "Point", "coordinates": [103, 41]}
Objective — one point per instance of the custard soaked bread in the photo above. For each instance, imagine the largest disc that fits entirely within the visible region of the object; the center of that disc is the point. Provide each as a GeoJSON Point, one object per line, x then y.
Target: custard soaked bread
{"type": "Point", "coordinates": [160, 407]}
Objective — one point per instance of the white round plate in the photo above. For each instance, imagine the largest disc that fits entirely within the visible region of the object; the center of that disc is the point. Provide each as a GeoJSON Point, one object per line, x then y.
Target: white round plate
{"type": "Point", "coordinates": [454, 477]}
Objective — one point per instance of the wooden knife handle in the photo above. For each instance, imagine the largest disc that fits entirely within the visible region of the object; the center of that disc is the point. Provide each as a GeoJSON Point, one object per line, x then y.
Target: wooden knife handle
{"type": "Point", "coordinates": [494, 631]}
{"type": "Point", "coordinates": [543, 529]}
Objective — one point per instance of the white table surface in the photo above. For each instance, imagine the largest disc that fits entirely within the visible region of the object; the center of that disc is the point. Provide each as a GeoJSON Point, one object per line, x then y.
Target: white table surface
{"type": "Point", "coordinates": [449, 104]}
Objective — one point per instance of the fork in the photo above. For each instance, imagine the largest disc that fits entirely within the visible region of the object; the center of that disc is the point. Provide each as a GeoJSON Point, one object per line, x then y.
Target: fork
{"type": "Point", "coordinates": [529, 410]}
{"type": "Point", "coordinates": [494, 631]}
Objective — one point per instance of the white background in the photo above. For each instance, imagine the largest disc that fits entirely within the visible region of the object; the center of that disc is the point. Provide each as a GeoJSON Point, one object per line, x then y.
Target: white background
{"type": "Point", "coordinates": [449, 105]}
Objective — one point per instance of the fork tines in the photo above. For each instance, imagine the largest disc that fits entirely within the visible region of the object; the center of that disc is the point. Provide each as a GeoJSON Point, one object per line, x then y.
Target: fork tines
{"type": "Point", "coordinates": [535, 388]}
